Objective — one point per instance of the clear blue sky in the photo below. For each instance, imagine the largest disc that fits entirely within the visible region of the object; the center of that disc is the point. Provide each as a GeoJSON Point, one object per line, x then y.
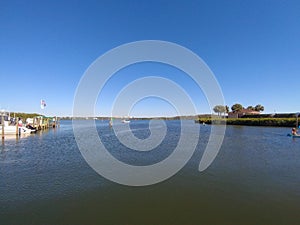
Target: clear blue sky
{"type": "Point", "coordinates": [252, 47]}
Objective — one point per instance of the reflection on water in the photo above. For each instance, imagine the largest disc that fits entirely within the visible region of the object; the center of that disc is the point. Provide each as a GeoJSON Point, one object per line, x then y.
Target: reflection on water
{"type": "Point", "coordinates": [254, 180]}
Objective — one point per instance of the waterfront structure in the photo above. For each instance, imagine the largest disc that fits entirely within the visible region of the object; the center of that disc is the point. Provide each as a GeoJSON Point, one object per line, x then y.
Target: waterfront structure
{"type": "Point", "coordinates": [243, 112]}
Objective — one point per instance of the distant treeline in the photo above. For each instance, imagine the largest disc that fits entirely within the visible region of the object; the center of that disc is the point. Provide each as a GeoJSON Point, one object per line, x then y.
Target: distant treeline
{"type": "Point", "coordinates": [24, 116]}
{"type": "Point", "coordinates": [275, 122]}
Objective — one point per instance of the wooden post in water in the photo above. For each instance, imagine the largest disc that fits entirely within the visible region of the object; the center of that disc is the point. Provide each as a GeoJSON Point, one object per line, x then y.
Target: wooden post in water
{"type": "Point", "coordinates": [2, 123]}
{"type": "Point", "coordinates": [17, 128]}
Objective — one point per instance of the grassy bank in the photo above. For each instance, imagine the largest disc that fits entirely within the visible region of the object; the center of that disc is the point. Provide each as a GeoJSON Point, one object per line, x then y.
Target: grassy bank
{"type": "Point", "coordinates": [275, 122]}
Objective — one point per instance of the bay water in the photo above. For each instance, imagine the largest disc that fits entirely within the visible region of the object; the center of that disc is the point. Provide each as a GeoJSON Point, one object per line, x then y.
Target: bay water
{"type": "Point", "coordinates": [255, 179]}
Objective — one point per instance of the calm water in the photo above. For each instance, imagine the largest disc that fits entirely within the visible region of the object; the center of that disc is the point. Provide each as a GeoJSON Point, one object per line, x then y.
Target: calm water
{"type": "Point", "coordinates": [255, 179]}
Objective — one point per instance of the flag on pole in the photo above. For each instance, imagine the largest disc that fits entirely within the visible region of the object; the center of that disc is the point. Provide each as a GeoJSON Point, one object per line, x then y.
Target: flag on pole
{"type": "Point", "coordinates": [43, 104]}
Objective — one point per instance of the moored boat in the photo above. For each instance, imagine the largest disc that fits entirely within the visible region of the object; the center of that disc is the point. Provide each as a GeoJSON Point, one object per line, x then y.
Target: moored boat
{"type": "Point", "coordinates": [12, 129]}
{"type": "Point", "coordinates": [8, 130]}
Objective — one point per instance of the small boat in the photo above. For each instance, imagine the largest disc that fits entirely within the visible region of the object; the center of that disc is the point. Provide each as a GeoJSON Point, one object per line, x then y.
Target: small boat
{"type": "Point", "coordinates": [293, 136]}
{"type": "Point", "coordinates": [31, 128]}
{"type": "Point", "coordinates": [111, 122]}
{"type": "Point", "coordinates": [13, 130]}
{"type": "Point", "coordinates": [125, 121]}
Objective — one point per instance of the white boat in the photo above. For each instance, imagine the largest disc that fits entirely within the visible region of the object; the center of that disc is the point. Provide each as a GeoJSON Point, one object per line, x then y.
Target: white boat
{"type": "Point", "coordinates": [125, 121]}
{"type": "Point", "coordinates": [13, 130]}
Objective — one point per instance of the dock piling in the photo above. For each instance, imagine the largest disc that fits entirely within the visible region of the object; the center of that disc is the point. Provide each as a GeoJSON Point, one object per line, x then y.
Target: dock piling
{"type": "Point", "coordinates": [17, 128]}
{"type": "Point", "coordinates": [2, 123]}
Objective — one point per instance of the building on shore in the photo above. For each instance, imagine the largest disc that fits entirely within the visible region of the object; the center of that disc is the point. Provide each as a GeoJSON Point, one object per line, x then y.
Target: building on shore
{"type": "Point", "coordinates": [241, 113]}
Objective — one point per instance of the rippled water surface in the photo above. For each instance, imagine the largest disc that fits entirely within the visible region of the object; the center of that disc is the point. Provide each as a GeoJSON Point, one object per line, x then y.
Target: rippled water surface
{"type": "Point", "coordinates": [255, 179]}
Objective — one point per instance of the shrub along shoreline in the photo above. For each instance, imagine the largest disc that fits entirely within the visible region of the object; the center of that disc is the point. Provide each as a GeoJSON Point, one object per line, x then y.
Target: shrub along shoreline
{"type": "Point", "coordinates": [274, 122]}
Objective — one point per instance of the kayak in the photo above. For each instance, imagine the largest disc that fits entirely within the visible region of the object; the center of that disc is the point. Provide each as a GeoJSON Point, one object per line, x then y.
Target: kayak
{"type": "Point", "coordinates": [294, 136]}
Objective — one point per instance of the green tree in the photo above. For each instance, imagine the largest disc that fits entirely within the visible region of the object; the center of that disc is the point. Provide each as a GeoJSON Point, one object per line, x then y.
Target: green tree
{"type": "Point", "coordinates": [259, 108]}
{"type": "Point", "coordinates": [219, 109]}
{"type": "Point", "coordinates": [236, 107]}
{"type": "Point", "coordinates": [250, 107]}
{"type": "Point", "coordinates": [227, 108]}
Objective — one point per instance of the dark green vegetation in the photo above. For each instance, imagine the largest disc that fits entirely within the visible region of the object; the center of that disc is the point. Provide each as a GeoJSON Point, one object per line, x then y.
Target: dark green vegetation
{"type": "Point", "coordinates": [221, 109]}
{"type": "Point", "coordinates": [237, 108]}
{"type": "Point", "coordinates": [240, 116]}
{"type": "Point", "coordinates": [24, 115]}
{"type": "Point", "coordinates": [275, 122]}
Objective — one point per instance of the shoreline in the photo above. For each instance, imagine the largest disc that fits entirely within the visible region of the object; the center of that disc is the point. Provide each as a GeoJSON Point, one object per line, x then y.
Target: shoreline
{"type": "Point", "coordinates": [266, 122]}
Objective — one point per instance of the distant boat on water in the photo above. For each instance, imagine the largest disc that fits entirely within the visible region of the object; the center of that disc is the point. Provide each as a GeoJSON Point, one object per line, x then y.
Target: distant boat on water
{"type": "Point", "coordinates": [111, 122]}
{"type": "Point", "coordinates": [125, 121]}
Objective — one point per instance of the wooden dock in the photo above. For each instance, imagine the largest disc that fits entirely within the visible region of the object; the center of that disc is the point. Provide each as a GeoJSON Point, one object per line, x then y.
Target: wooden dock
{"type": "Point", "coordinates": [43, 122]}
{"type": "Point", "coordinates": [12, 126]}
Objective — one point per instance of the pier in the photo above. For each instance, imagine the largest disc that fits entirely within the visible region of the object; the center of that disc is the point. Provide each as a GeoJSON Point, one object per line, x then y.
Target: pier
{"type": "Point", "coordinates": [17, 125]}
{"type": "Point", "coordinates": [43, 122]}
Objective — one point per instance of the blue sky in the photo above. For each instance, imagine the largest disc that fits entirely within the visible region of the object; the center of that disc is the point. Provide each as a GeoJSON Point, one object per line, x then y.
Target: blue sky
{"type": "Point", "coordinates": [252, 47]}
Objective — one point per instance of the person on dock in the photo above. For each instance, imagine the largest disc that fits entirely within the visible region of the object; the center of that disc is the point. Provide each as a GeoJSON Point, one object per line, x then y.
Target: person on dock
{"type": "Point", "coordinates": [294, 132]}
{"type": "Point", "coordinates": [20, 124]}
